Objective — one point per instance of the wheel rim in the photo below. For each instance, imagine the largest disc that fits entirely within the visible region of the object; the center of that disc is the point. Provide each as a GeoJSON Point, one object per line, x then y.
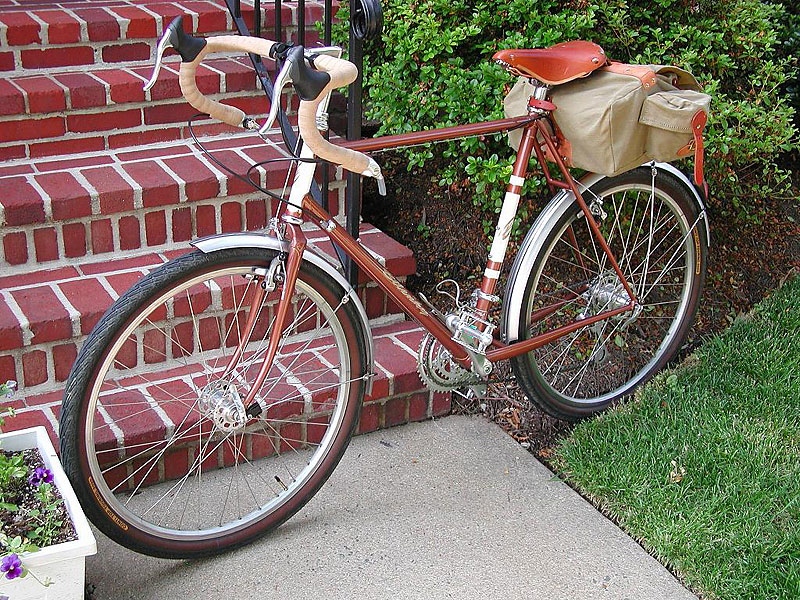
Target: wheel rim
{"type": "Point", "coordinates": [600, 362]}
{"type": "Point", "coordinates": [268, 461]}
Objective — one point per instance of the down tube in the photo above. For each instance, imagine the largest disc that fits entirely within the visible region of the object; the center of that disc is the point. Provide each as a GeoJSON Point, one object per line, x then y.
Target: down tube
{"type": "Point", "coordinates": [396, 290]}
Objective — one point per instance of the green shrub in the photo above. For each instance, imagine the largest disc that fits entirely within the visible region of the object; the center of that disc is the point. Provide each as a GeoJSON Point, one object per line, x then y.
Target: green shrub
{"type": "Point", "coordinates": [789, 37]}
{"type": "Point", "coordinates": [432, 68]}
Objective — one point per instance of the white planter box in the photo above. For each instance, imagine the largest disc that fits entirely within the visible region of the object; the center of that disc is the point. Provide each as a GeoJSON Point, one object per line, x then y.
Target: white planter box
{"type": "Point", "coordinates": [63, 563]}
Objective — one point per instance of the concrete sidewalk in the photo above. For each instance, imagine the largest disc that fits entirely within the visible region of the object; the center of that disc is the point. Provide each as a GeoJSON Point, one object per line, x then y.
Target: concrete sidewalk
{"type": "Point", "coordinates": [452, 508]}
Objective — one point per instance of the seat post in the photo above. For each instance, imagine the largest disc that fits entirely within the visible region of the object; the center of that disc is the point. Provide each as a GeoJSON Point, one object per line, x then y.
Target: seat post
{"type": "Point", "coordinates": [540, 91]}
{"type": "Point", "coordinates": [537, 103]}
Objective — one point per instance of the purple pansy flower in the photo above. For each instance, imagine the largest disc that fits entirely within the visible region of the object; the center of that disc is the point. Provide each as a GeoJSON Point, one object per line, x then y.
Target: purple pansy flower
{"type": "Point", "coordinates": [40, 475]}
{"type": "Point", "coordinates": [8, 388]}
{"type": "Point", "coordinates": [11, 566]}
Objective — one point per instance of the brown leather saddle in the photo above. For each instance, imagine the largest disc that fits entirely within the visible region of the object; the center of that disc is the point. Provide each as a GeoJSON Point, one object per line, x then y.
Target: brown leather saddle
{"type": "Point", "coordinates": [554, 65]}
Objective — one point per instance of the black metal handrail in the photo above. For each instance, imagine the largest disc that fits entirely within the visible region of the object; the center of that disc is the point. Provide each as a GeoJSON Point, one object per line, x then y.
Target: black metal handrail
{"type": "Point", "coordinates": [354, 106]}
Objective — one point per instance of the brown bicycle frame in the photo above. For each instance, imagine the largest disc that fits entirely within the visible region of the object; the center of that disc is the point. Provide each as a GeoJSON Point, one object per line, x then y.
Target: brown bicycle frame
{"type": "Point", "coordinates": [534, 128]}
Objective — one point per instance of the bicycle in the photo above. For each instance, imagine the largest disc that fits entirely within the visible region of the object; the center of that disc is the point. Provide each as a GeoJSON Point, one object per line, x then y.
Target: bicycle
{"type": "Point", "coordinates": [258, 351]}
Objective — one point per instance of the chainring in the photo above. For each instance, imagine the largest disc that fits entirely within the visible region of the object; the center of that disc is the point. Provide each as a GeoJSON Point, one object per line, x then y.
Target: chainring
{"type": "Point", "coordinates": [438, 370]}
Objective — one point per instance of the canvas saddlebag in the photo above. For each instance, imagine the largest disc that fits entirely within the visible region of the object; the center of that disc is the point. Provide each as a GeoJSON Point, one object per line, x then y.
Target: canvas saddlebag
{"type": "Point", "coordinates": [621, 116]}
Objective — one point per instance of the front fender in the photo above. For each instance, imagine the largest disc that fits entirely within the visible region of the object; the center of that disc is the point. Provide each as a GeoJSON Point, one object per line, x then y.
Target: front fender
{"type": "Point", "coordinates": [260, 240]}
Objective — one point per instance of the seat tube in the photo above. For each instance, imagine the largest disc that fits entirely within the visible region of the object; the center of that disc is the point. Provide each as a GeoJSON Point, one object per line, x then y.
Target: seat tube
{"type": "Point", "coordinates": [505, 221]}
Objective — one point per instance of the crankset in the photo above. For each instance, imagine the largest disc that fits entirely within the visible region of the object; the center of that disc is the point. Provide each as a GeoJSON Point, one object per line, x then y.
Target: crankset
{"type": "Point", "coordinates": [438, 370]}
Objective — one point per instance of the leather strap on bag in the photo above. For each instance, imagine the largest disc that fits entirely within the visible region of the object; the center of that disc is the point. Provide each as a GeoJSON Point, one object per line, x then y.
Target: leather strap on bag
{"type": "Point", "coordinates": [699, 121]}
{"type": "Point", "coordinates": [644, 74]}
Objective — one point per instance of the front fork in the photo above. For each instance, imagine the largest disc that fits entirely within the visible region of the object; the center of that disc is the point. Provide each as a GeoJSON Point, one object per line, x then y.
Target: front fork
{"type": "Point", "coordinates": [291, 268]}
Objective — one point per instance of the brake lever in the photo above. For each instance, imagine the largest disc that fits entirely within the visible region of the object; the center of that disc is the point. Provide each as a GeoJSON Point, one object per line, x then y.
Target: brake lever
{"type": "Point", "coordinates": [281, 80]}
{"type": "Point", "coordinates": [160, 49]}
{"type": "Point", "coordinates": [187, 46]}
{"type": "Point", "coordinates": [308, 82]}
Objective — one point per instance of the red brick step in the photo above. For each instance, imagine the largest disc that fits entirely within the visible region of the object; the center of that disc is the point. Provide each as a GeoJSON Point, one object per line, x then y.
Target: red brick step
{"type": "Point", "coordinates": [106, 109]}
{"type": "Point", "coordinates": [398, 396]}
{"type": "Point", "coordinates": [93, 204]}
{"type": "Point", "coordinates": [45, 315]}
{"type": "Point", "coordinates": [71, 34]}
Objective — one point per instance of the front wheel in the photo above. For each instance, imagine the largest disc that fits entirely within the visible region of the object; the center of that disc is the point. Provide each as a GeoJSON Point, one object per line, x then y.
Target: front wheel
{"type": "Point", "coordinates": [653, 227]}
{"type": "Point", "coordinates": [154, 434]}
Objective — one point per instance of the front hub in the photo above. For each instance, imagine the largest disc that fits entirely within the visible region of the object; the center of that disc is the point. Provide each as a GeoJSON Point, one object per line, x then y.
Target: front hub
{"type": "Point", "coordinates": [220, 402]}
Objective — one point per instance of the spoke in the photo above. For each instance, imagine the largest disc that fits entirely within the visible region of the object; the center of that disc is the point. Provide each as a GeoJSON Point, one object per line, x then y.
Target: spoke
{"type": "Point", "coordinates": [650, 236]}
{"type": "Point", "coordinates": [244, 343]}
{"type": "Point", "coordinates": [672, 259]}
{"type": "Point", "coordinates": [604, 307]}
{"type": "Point", "coordinates": [180, 482]}
{"type": "Point", "coordinates": [277, 437]}
{"type": "Point", "coordinates": [590, 360]}
{"type": "Point", "coordinates": [151, 448]}
{"type": "Point", "coordinates": [174, 497]}
{"type": "Point", "coordinates": [661, 241]}
{"type": "Point", "coordinates": [239, 454]}
{"type": "Point", "coordinates": [145, 383]}
{"type": "Point", "coordinates": [617, 211]}
{"type": "Point", "coordinates": [574, 249]}
{"type": "Point", "coordinates": [638, 229]}
{"type": "Point", "coordinates": [303, 349]}
{"type": "Point", "coordinates": [263, 345]}
{"type": "Point", "coordinates": [197, 335]}
{"type": "Point", "coordinates": [591, 239]}
{"type": "Point", "coordinates": [563, 353]}
{"type": "Point", "coordinates": [663, 303]}
{"type": "Point", "coordinates": [319, 389]}
{"type": "Point", "coordinates": [175, 436]}
{"type": "Point", "coordinates": [148, 408]}
{"type": "Point", "coordinates": [575, 295]}
{"type": "Point", "coordinates": [610, 238]}
{"type": "Point", "coordinates": [296, 451]}
{"type": "Point", "coordinates": [630, 230]}
{"type": "Point", "coordinates": [236, 308]}
{"type": "Point", "coordinates": [230, 485]}
{"type": "Point", "coordinates": [169, 338]}
{"type": "Point", "coordinates": [572, 264]}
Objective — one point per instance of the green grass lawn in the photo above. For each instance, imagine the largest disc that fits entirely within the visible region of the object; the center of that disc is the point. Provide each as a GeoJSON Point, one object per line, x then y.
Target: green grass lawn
{"type": "Point", "coordinates": [703, 467]}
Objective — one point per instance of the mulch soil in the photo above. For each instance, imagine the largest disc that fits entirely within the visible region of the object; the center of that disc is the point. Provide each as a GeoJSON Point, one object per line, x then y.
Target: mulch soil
{"type": "Point", "coordinates": [445, 231]}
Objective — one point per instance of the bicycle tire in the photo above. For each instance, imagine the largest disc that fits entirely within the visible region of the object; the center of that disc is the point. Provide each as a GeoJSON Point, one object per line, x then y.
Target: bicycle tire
{"type": "Point", "coordinates": [571, 272]}
{"type": "Point", "coordinates": [309, 422]}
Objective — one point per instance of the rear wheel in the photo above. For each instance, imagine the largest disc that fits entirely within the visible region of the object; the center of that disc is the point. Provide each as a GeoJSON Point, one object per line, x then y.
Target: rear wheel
{"type": "Point", "coordinates": [154, 434]}
{"type": "Point", "coordinates": [654, 230]}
